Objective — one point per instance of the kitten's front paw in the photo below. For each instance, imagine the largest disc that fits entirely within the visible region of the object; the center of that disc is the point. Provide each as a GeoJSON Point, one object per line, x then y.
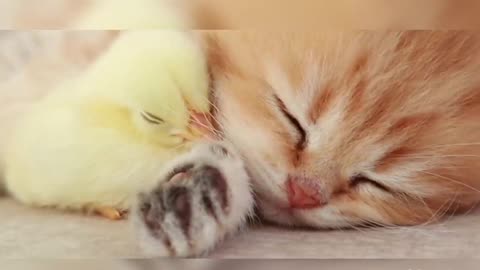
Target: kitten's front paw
{"type": "Point", "coordinates": [197, 203]}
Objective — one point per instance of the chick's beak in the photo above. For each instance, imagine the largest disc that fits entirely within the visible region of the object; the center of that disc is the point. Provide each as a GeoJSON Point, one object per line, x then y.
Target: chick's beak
{"type": "Point", "coordinates": [191, 134]}
{"type": "Point", "coordinates": [199, 127]}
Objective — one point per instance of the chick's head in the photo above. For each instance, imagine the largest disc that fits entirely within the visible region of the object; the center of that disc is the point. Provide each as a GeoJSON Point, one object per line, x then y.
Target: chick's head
{"type": "Point", "coordinates": [161, 77]}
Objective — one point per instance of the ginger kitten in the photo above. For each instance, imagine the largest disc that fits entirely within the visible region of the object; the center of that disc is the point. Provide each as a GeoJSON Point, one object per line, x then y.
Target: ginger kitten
{"type": "Point", "coordinates": [334, 130]}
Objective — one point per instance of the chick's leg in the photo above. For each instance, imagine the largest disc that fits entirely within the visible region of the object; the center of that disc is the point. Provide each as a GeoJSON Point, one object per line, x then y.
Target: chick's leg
{"type": "Point", "coordinates": [109, 212]}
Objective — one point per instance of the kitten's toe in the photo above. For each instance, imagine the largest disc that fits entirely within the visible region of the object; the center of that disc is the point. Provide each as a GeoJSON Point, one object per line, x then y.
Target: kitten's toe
{"type": "Point", "coordinates": [179, 202]}
{"type": "Point", "coordinates": [184, 215]}
{"type": "Point", "coordinates": [150, 214]}
{"type": "Point", "coordinates": [213, 191]}
{"type": "Point", "coordinates": [195, 206]}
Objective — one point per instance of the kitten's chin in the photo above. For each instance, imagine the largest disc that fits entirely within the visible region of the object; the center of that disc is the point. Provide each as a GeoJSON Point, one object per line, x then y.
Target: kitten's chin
{"type": "Point", "coordinates": [275, 214]}
{"type": "Point", "coordinates": [324, 217]}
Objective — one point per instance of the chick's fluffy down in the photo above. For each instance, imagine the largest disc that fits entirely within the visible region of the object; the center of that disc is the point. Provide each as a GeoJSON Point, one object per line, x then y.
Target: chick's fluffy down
{"type": "Point", "coordinates": [80, 146]}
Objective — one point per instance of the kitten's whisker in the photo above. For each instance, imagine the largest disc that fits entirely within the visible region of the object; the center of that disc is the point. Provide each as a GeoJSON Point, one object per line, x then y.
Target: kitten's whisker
{"type": "Point", "coordinates": [196, 122]}
{"type": "Point", "coordinates": [432, 156]}
{"type": "Point", "coordinates": [352, 226]}
{"type": "Point", "coordinates": [472, 208]}
{"type": "Point", "coordinates": [216, 121]}
{"type": "Point", "coordinates": [215, 108]}
{"type": "Point", "coordinates": [441, 218]}
{"type": "Point", "coordinates": [435, 215]}
{"type": "Point", "coordinates": [455, 144]}
{"type": "Point", "coordinates": [207, 127]}
{"type": "Point", "coordinates": [451, 211]}
{"type": "Point", "coordinates": [451, 180]}
{"type": "Point", "coordinates": [373, 224]}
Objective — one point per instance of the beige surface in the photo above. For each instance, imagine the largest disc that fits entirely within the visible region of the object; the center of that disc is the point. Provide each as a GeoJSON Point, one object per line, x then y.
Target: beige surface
{"type": "Point", "coordinates": [27, 233]}
{"type": "Point", "coordinates": [244, 264]}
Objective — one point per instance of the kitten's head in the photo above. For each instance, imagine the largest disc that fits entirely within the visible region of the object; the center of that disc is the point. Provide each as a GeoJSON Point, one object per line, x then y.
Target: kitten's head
{"type": "Point", "coordinates": [349, 128]}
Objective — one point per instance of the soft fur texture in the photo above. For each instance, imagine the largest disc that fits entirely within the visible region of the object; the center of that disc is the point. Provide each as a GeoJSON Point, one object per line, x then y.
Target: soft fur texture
{"type": "Point", "coordinates": [384, 126]}
{"type": "Point", "coordinates": [103, 118]}
{"type": "Point", "coordinates": [33, 63]}
{"type": "Point", "coordinates": [336, 130]}
{"type": "Point", "coordinates": [381, 126]}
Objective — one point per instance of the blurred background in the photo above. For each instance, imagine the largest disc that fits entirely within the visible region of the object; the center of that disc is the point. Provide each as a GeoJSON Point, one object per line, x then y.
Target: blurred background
{"type": "Point", "coordinates": [265, 14]}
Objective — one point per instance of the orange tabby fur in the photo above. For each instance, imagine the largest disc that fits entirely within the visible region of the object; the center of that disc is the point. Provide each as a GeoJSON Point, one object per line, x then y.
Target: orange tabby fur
{"type": "Point", "coordinates": [399, 108]}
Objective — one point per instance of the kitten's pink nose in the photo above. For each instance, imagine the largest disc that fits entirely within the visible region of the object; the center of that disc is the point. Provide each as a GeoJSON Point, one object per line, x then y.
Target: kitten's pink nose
{"type": "Point", "coordinates": [303, 195]}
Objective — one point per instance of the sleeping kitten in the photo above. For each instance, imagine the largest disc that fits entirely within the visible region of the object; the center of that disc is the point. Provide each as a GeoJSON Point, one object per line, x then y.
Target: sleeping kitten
{"type": "Point", "coordinates": [332, 130]}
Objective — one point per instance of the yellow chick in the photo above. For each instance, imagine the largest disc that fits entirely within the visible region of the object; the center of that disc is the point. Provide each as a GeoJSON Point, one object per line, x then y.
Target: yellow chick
{"type": "Point", "coordinates": [94, 143]}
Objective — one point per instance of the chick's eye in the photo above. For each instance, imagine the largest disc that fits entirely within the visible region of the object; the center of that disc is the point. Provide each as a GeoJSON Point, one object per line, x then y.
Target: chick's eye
{"type": "Point", "coordinates": [301, 143]}
{"type": "Point", "coordinates": [151, 118]}
{"type": "Point", "coordinates": [358, 180]}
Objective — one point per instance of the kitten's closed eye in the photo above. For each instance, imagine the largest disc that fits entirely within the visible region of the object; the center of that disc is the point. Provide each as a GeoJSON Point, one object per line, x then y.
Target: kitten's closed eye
{"type": "Point", "coordinates": [360, 179]}
{"type": "Point", "coordinates": [302, 141]}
